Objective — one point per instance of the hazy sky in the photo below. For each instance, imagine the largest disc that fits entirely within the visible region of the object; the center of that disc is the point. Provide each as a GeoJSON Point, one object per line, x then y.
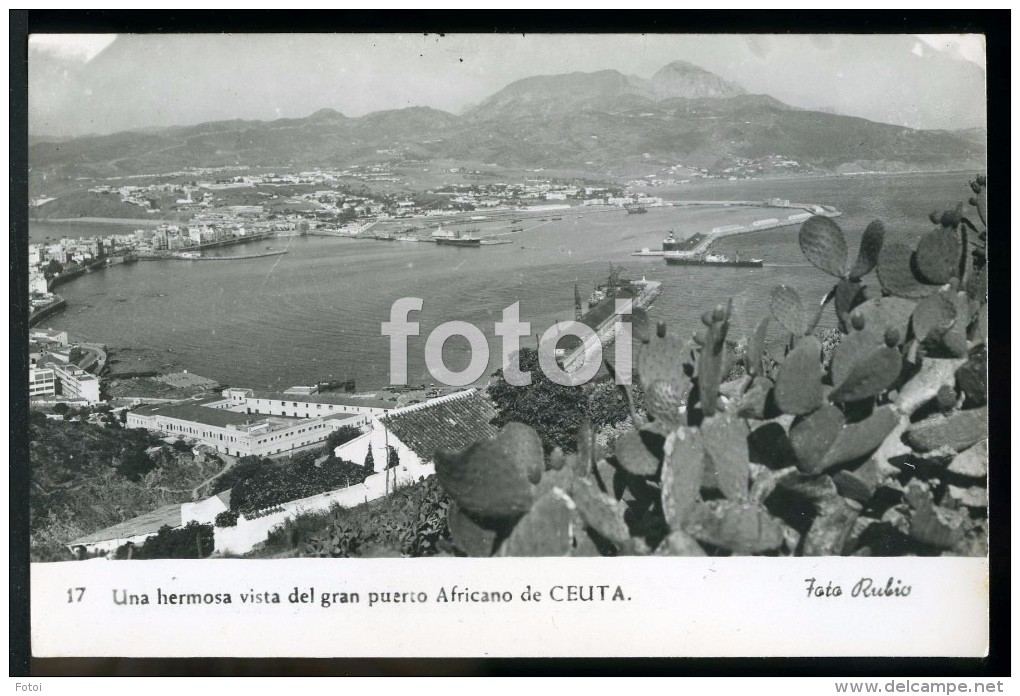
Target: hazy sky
{"type": "Point", "coordinates": [82, 84]}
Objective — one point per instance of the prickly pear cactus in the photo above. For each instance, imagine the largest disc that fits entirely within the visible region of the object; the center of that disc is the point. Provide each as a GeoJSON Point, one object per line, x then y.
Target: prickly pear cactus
{"type": "Point", "coordinates": [878, 445]}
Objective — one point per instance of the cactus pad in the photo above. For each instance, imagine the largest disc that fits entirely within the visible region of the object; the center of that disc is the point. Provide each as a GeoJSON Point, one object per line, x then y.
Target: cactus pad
{"type": "Point", "coordinates": [739, 527]}
{"type": "Point", "coordinates": [823, 244]}
{"type": "Point", "coordinates": [787, 309]}
{"type": "Point", "coordinates": [545, 531]}
{"type": "Point", "coordinates": [938, 255]}
{"type": "Point", "coordinates": [896, 272]}
{"type": "Point", "coordinates": [972, 377]}
{"type": "Point", "coordinates": [494, 478]}
{"type": "Point", "coordinates": [662, 359]}
{"type": "Point", "coordinates": [679, 544]}
{"type": "Point", "coordinates": [635, 450]}
{"type": "Point", "coordinates": [862, 438]}
{"type": "Point", "coordinates": [600, 512]}
{"type": "Point", "coordinates": [470, 537]}
{"type": "Point", "coordinates": [812, 437]}
{"type": "Point", "coordinates": [884, 313]}
{"type": "Point", "coordinates": [756, 346]}
{"type": "Point", "coordinates": [872, 375]}
{"type": "Point", "coordinates": [956, 432]}
{"type": "Point", "coordinates": [847, 293]}
{"type": "Point", "coordinates": [933, 316]}
{"type": "Point", "coordinates": [868, 253]}
{"type": "Point", "coordinates": [798, 388]}
{"type": "Point", "coordinates": [851, 350]}
{"type": "Point", "coordinates": [725, 441]}
{"type": "Point", "coordinates": [663, 400]}
{"type": "Point", "coordinates": [681, 475]}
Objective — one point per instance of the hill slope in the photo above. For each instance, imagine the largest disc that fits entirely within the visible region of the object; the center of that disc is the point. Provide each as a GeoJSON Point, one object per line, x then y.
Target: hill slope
{"type": "Point", "coordinates": [597, 121]}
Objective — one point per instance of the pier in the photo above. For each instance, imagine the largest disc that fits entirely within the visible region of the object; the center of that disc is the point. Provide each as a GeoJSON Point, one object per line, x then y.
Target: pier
{"type": "Point", "coordinates": [230, 258]}
{"type": "Point", "coordinates": [808, 209]}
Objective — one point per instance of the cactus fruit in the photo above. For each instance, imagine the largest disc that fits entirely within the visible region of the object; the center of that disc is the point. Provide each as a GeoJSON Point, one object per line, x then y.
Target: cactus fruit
{"type": "Point", "coordinates": [938, 255]}
{"type": "Point", "coordinates": [681, 475]}
{"type": "Point", "coordinates": [635, 452]}
{"type": "Point", "coordinates": [956, 432]}
{"type": "Point", "coordinates": [798, 388]}
{"type": "Point", "coordinates": [857, 321]}
{"type": "Point", "coordinates": [871, 247]}
{"type": "Point", "coordinates": [875, 372]}
{"type": "Point", "coordinates": [892, 337]}
{"type": "Point", "coordinates": [725, 442]}
{"type": "Point", "coordinates": [738, 527]}
{"type": "Point", "coordinates": [546, 529]}
{"type": "Point", "coordinates": [813, 436]}
{"type": "Point", "coordinates": [787, 309]}
{"type": "Point", "coordinates": [494, 478]}
{"type": "Point", "coordinates": [895, 272]}
{"type": "Point", "coordinates": [933, 316]}
{"type": "Point", "coordinates": [470, 537]}
{"type": "Point", "coordinates": [823, 244]}
{"type": "Point", "coordinates": [946, 398]}
{"type": "Point", "coordinates": [600, 512]}
{"type": "Point", "coordinates": [860, 439]}
{"type": "Point", "coordinates": [934, 217]}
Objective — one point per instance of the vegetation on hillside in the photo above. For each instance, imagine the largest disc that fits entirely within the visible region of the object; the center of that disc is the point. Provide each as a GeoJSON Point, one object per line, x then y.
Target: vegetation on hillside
{"type": "Point", "coordinates": [86, 476]}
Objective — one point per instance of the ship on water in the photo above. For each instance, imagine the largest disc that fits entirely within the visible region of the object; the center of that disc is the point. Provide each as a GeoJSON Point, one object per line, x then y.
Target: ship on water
{"type": "Point", "coordinates": [670, 243]}
{"type": "Point", "coordinates": [677, 259]}
{"type": "Point", "coordinates": [461, 240]}
{"type": "Point", "coordinates": [635, 209]}
{"type": "Point", "coordinates": [385, 238]}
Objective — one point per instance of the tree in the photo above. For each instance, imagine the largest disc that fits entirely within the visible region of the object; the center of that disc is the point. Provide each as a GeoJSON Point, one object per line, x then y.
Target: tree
{"type": "Point", "coordinates": [555, 411]}
{"type": "Point", "coordinates": [369, 462]}
{"type": "Point", "coordinates": [340, 436]}
{"type": "Point", "coordinates": [52, 268]}
{"type": "Point", "coordinates": [392, 458]}
{"type": "Point", "coordinates": [61, 408]}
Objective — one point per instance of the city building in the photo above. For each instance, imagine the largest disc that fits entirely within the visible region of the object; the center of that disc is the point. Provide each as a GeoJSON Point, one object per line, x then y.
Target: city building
{"type": "Point", "coordinates": [212, 423]}
{"type": "Point", "coordinates": [296, 405]}
{"type": "Point", "coordinates": [41, 382]}
{"type": "Point", "coordinates": [75, 383]}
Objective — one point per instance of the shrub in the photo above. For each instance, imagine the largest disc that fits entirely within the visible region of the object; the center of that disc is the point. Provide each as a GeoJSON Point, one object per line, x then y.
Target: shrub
{"type": "Point", "coordinates": [877, 449]}
{"type": "Point", "coordinates": [192, 541]}
{"type": "Point", "coordinates": [227, 518]}
{"type": "Point", "coordinates": [263, 484]}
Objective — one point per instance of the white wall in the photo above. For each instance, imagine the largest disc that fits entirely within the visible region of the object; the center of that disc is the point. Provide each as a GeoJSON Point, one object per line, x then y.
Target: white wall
{"type": "Point", "coordinates": [378, 437]}
{"type": "Point", "coordinates": [246, 534]}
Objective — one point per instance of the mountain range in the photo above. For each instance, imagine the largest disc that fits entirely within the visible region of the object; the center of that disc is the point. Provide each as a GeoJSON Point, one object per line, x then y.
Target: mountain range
{"type": "Point", "coordinates": [601, 122]}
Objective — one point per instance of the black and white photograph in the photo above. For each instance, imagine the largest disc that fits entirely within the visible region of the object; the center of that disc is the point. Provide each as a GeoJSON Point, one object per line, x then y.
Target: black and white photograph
{"type": "Point", "coordinates": [629, 301]}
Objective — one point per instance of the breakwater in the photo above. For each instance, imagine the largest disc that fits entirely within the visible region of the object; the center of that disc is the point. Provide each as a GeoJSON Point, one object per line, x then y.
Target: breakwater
{"type": "Point", "coordinates": [229, 258]}
{"type": "Point", "coordinates": [37, 314]}
{"type": "Point", "coordinates": [807, 210]}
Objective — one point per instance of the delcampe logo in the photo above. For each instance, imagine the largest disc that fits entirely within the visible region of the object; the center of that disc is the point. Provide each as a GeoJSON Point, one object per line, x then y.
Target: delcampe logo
{"type": "Point", "coordinates": [575, 369]}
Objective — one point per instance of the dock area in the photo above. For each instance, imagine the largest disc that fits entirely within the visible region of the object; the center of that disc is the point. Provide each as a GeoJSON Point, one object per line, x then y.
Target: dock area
{"type": "Point", "coordinates": [231, 258]}
{"type": "Point", "coordinates": [808, 209]}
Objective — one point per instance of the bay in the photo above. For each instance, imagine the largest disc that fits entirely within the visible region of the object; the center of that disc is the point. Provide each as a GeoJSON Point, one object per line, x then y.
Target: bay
{"type": "Point", "coordinates": [316, 312]}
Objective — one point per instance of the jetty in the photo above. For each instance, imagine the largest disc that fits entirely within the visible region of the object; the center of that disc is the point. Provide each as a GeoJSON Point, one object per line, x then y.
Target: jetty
{"type": "Point", "coordinates": [229, 258]}
{"type": "Point", "coordinates": [708, 238]}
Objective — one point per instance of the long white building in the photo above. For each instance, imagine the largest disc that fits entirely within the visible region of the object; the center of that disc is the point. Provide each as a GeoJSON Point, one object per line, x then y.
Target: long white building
{"type": "Point", "coordinates": [213, 423]}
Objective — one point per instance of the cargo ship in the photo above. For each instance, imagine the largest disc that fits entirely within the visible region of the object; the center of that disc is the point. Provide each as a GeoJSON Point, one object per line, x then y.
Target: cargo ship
{"type": "Point", "coordinates": [677, 259]}
{"type": "Point", "coordinates": [385, 238]}
{"type": "Point", "coordinates": [461, 240]}
{"type": "Point", "coordinates": [635, 209]}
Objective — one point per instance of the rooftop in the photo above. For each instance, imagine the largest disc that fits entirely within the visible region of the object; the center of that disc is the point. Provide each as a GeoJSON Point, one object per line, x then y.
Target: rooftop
{"type": "Point", "coordinates": [335, 399]}
{"type": "Point", "coordinates": [448, 423]}
{"type": "Point", "coordinates": [149, 523]}
{"type": "Point", "coordinates": [196, 412]}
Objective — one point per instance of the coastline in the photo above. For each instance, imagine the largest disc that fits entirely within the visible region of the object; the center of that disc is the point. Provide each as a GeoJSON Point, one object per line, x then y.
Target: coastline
{"type": "Point", "coordinates": [104, 221]}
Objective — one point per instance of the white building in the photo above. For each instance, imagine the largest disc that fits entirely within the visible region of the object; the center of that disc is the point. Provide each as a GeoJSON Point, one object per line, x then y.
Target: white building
{"type": "Point", "coordinates": [41, 382]}
{"type": "Point", "coordinates": [75, 383]}
{"type": "Point", "coordinates": [212, 423]}
{"type": "Point", "coordinates": [37, 284]}
{"type": "Point", "coordinates": [297, 405]}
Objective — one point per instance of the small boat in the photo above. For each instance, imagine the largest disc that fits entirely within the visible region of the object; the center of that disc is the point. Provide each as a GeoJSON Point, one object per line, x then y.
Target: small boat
{"type": "Point", "coordinates": [635, 209]}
